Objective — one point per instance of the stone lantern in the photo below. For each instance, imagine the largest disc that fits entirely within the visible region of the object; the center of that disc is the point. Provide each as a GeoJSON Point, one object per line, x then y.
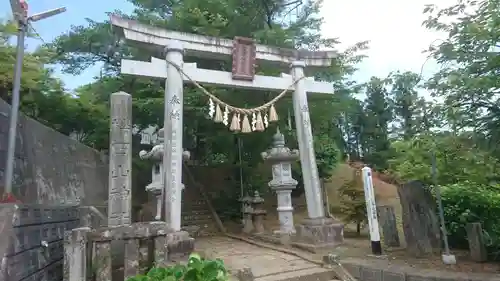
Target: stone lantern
{"type": "Point", "coordinates": [157, 184]}
{"type": "Point", "coordinates": [258, 212]}
{"type": "Point", "coordinates": [281, 158]}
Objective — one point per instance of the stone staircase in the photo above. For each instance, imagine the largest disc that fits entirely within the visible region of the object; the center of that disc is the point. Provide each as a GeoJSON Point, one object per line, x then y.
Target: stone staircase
{"type": "Point", "coordinates": [196, 216]}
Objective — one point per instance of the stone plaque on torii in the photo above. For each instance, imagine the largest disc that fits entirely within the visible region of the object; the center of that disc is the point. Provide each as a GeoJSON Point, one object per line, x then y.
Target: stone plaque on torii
{"type": "Point", "coordinates": [245, 55]}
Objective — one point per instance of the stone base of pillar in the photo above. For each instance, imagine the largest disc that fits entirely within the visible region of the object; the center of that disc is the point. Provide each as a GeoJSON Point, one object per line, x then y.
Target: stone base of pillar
{"type": "Point", "coordinates": [319, 233]}
{"type": "Point", "coordinates": [280, 232]}
{"type": "Point", "coordinates": [285, 238]}
{"type": "Point", "coordinates": [179, 245]}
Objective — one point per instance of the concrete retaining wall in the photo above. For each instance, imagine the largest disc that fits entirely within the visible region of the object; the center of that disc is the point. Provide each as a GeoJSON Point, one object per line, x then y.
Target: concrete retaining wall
{"type": "Point", "coordinates": [52, 175]}
{"type": "Point", "coordinates": [50, 167]}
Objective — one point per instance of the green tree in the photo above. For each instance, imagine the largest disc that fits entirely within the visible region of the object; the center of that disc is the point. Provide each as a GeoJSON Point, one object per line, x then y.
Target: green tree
{"type": "Point", "coordinates": [376, 124]}
{"type": "Point", "coordinates": [404, 98]}
{"type": "Point", "coordinates": [42, 95]}
{"type": "Point", "coordinates": [468, 80]}
{"type": "Point", "coordinates": [352, 207]}
{"type": "Point", "coordinates": [457, 160]}
{"type": "Point", "coordinates": [351, 123]}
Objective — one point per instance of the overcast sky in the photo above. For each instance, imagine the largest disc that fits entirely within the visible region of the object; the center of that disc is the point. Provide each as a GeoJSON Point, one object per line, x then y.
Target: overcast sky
{"type": "Point", "coordinates": [393, 27]}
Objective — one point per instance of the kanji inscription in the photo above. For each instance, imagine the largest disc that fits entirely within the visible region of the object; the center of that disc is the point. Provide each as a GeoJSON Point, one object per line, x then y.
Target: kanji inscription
{"type": "Point", "coordinates": [244, 52]}
{"type": "Point", "coordinates": [120, 160]}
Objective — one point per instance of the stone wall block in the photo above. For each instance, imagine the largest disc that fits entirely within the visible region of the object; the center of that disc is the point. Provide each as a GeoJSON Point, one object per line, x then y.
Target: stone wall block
{"type": "Point", "coordinates": [371, 274]}
{"type": "Point", "coordinates": [32, 240]}
{"type": "Point", "coordinates": [388, 275]}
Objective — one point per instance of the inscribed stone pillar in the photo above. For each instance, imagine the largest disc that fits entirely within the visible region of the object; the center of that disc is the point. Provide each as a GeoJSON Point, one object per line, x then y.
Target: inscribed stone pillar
{"type": "Point", "coordinates": [310, 175]}
{"type": "Point", "coordinates": [120, 160]}
{"type": "Point", "coordinates": [389, 226]}
{"type": "Point", "coordinates": [172, 159]}
{"type": "Point", "coordinates": [477, 245]}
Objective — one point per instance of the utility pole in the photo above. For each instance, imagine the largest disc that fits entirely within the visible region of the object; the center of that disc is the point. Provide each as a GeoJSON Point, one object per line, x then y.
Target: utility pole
{"type": "Point", "coordinates": [20, 12]}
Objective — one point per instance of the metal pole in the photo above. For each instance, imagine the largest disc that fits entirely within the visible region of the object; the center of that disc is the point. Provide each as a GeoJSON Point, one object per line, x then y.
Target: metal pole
{"type": "Point", "coordinates": [440, 204]}
{"type": "Point", "coordinates": [14, 111]}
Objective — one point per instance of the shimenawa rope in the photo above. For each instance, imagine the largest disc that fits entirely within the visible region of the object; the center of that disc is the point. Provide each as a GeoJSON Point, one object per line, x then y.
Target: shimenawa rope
{"type": "Point", "coordinates": [258, 124]}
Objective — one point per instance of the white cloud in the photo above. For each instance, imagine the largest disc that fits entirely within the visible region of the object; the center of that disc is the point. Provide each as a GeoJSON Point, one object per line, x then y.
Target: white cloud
{"type": "Point", "coordinates": [393, 27]}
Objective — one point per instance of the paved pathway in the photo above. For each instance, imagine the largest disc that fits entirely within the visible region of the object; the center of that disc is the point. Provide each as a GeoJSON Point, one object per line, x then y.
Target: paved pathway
{"type": "Point", "coordinates": [266, 264]}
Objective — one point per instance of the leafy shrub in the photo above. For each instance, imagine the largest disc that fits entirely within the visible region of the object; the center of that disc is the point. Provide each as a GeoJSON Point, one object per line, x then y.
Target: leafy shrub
{"type": "Point", "coordinates": [197, 269]}
{"type": "Point", "coordinates": [351, 207]}
{"type": "Point", "coordinates": [467, 202]}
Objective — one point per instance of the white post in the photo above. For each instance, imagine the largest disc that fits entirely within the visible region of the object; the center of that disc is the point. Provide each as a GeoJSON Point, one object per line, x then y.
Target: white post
{"type": "Point", "coordinates": [371, 211]}
{"type": "Point", "coordinates": [172, 156]}
{"type": "Point", "coordinates": [310, 175]}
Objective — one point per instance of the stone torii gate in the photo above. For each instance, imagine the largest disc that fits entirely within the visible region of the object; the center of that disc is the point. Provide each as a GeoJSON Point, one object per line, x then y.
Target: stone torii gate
{"type": "Point", "coordinates": [317, 229]}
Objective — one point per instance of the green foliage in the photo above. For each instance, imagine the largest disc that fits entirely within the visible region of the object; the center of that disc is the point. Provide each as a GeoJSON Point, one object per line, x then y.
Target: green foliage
{"type": "Point", "coordinates": [467, 202]}
{"type": "Point", "coordinates": [412, 113]}
{"type": "Point", "coordinates": [468, 83]}
{"type": "Point", "coordinates": [197, 269]}
{"type": "Point", "coordinates": [376, 124]}
{"type": "Point", "coordinates": [468, 79]}
{"type": "Point", "coordinates": [457, 160]}
{"type": "Point", "coordinates": [327, 155]}
{"type": "Point", "coordinates": [352, 206]}
{"type": "Point", "coordinates": [43, 97]}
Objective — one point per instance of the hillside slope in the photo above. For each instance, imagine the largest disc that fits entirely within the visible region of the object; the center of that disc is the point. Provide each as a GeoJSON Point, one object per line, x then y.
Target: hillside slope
{"type": "Point", "coordinates": [386, 193]}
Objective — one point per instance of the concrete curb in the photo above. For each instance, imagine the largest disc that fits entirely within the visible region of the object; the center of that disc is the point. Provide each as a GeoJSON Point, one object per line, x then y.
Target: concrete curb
{"type": "Point", "coordinates": [394, 273]}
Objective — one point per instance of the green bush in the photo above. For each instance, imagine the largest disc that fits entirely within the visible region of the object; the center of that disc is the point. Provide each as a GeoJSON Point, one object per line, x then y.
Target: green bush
{"type": "Point", "coordinates": [351, 207]}
{"type": "Point", "coordinates": [197, 269]}
{"type": "Point", "coordinates": [467, 202]}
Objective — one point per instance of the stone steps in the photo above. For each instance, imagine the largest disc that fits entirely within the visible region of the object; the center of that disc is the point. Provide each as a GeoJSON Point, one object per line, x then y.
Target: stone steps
{"type": "Point", "coordinates": [199, 222]}
{"type": "Point", "coordinates": [201, 229]}
{"type": "Point", "coordinates": [195, 213]}
{"type": "Point", "coordinates": [196, 219]}
{"type": "Point", "coordinates": [195, 209]}
{"type": "Point", "coordinates": [194, 203]}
